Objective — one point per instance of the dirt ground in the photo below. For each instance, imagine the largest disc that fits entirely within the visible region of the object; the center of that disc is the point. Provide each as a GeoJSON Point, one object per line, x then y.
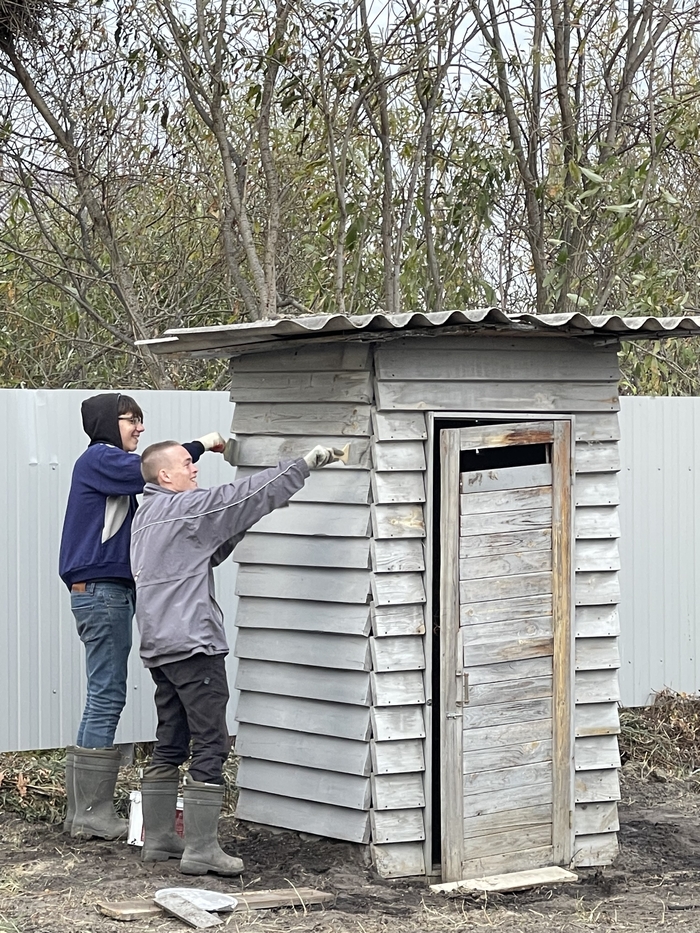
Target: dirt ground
{"type": "Point", "coordinates": [50, 883]}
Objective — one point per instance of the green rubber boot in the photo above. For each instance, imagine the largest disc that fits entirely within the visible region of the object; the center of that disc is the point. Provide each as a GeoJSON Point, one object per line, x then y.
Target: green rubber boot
{"type": "Point", "coordinates": [95, 773]}
{"type": "Point", "coordinates": [159, 803]}
{"type": "Point", "coordinates": [70, 790]}
{"type": "Point", "coordinates": [202, 850]}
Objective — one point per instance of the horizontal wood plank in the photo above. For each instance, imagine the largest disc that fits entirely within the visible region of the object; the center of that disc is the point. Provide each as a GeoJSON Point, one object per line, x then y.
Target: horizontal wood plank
{"type": "Point", "coordinates": [309, 418]}
{"type": "Point", "coordinates": [397, 653]}
{"type": "Point", "coordinates": [594, 786]}
{"type": "Point", "coordinates": [531, 688]}
{"type": "Point", "coordinates": [492, 652]}
{"type": "Point", "coordinates": [318, 683]}
{"type": "Point", "coordinates": [512, 841]}
{"type": "Point", "coordinates": [597, 751]}
{"type": "Point", "coordinates": [597, 686]}
{"type": "Point", "coordinates": [312, 357]}
{"type": "Point", "coordinates": [301, 387]}
{"type": "Point", "coordinates": [316, 649]}
{"type": "Point", "coordinates": [510, 671]}
{"type": "Point", "coordinates": [596, 621]}
{"type": "Point", "coordinates": [598, 426]}
{"type": "Point", "coordinates": [397, 688]}
{"type": "Point", "coordinates": [504, 565]}
{"type": "Point", "coordinates": [523, 860]}
{"type": "Point", "coordinates": [397, 825]}
{"type": "Point", "coordinates": [597, 654]}
{"type": "Point", "coordinates": [601, 521]}
{"type": "Point", "coordinates": [268, 450]}
{"type": "Point", "coordinates": [297, 748]}
{"type": "Point", "coordinates": [349, 487]}
{"type": "Point", "coordinates": [324, 584]}
{"type": "Point", "coordinates": [499, 714]}
{"type": "Point", "coordinates": [516, 542]}
{"type": "Point", "coordinates": [302, 615]}
{"type": "Point", "coordinates": [596, 588]}
{"type": "Point", "coordinates": [590, 818]}
{"type": "Point", "coordinates": [317, 717]}
{"type": "Point", "coordinates": [397, 620]}
{"type": "Point", "coordinates": [397, 757]}
{"type": "Point", "coordinates": [512, 733]}
{"type": "Point", "coordinates": [398, 455]}
{"type": "Point", "coordinates": [332, 787]}
{"type": "Point", "coordinates": [509, 756]}
{"type": "Point", "coordinates": [597, 457]}
{"type": "Point", "coordinates": [507, 820]}
{"type": "Point", "coordinates": [306, 816]}
{"type": "Point", "coordinates": [439, 395]}
{"type": "Point", "coordinates": [503, 780]}
{"type": "Point", "coordinates": [508, 587]}
{"type": "Point", "coordinates": [602, 554]}
{"type": "Point", "coordinates": [498, 610]}
{"type": "Point", "coordinates": [506, 500]}
{"type": "Point", "coordinates": [518, 477]}
{"type": "Point", "coordinates": [399, 425]}
{"type": "Point", "coordinates": [596, 489]}
{"type": "Point", "coordinates": [497, 633]}
{"type": "Point", "coordinates": [400, 520]}
{"type": "Point", "coordinates": [310, 518]}
{"type": "Point", "coordinates": [397, 555]}
{"type": "Point", "coordinates": [391, 589]}
{"type": "Point", "coordinates": [598, 849]}
{"type": "Point", "coordinates": [397, 791]}
{"type": "Point", "coordinates": [481, 804]}
{"type": "Point", "coordinates": [505, 522]}
{"type": "Point", "coordinates": [596, 719]}
{"type": "Point", "coordinates": [303, 551]}
{"type": "Point", "coordinates": [399, 860]}
{"type": "Point", "coordinates": [399, 724]}
{"type": "Point", "coordinates": [397, 486]}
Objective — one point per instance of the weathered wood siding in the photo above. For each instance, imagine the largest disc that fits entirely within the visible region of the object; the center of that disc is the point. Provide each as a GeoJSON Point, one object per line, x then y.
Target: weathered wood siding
{"type": "Point", "coordinates": [558, 375]}
{"type": "Point", "coordinates": [304, 587]}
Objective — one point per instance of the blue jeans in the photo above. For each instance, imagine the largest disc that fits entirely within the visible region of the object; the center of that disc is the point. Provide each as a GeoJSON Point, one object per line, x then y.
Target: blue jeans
{"type": "Point", "coordinates": [104, 614]}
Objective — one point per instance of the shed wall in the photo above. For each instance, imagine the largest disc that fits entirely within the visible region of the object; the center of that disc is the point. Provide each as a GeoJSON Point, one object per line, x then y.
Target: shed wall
{"type": "Point", "coordinates": [42, 684]}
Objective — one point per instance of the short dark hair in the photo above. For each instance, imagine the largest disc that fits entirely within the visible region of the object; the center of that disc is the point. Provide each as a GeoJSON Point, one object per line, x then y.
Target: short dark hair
{"type": "Point", "coordinates": [152, 459]}
{"type": "Point", "coordinates": [126, 405]}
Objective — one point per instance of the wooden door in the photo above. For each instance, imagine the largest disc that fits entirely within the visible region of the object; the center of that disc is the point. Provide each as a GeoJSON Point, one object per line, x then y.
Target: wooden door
{"type": "Point", "coordinates": [506, 655]}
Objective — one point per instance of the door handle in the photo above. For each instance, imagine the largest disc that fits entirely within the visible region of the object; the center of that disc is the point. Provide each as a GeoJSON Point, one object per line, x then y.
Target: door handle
{"type": "Point", "coordinates": [463, 688]}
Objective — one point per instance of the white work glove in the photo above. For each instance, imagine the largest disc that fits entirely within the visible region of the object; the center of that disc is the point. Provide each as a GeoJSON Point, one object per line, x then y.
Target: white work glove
{"type": "Point", "coordinates": [321, 456]}
{"type": "Point", "coordinates": [213, 441]}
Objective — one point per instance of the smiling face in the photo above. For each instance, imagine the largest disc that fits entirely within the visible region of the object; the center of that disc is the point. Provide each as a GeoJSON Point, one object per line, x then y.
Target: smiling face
{"type": "Point", "coordinates": [130, 429]}
{"type": "Point", "coordinates": [179, 474]}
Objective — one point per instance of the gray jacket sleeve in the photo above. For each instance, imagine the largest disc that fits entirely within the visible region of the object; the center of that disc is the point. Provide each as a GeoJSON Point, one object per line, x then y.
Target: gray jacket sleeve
{"type": "Point", "coordinates": [226, 512]}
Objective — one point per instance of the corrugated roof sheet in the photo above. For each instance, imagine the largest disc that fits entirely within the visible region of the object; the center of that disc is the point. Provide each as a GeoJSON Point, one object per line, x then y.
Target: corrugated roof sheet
{"type": "Point", "coordinates": [238, 338]}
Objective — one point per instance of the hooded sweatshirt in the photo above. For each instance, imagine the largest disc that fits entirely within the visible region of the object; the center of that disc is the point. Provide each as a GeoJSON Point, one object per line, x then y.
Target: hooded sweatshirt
{"type": "Point", "coordinates": [101, 502]}
{"type": "Point", "coordinates": [177, 538]}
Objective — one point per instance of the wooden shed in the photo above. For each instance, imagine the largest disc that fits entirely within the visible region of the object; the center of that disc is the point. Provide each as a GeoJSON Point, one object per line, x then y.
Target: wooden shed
{"type": "Point", "coordinates": [428, 637]}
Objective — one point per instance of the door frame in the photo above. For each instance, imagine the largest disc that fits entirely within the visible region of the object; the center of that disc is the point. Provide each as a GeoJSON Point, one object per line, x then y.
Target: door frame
{"type": "Point", "coordinates": [563, 720]}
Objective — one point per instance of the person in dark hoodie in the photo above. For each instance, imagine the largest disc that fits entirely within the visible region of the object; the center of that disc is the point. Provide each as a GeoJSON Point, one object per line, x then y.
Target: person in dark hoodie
{"type": "Point", "coordinates": [94, 564]}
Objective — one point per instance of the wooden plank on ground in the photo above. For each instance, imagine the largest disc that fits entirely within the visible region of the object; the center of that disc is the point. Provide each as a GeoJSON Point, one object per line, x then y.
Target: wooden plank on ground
{"type": "Point", "coordinates": [399, 425]}
{"type": "Point", "coordinates": [298, 748]}
{"type": "Point", "coordinates": [598, 849]}
{"type": "Point", "coordinates": [315, 518]}
{"type": "Point", "coordinates": [516, 542]}
{"type": "Point", "coordinates": [301, 387]}
{"type": "Point", "coordinates": [285, 418]}
{"type": "Point", "coordinates": [305, 358]}
{"type": "Point", "coordinates": [591, 818]}
{"type": "Point", "coordinates": [322, 584]}
{"type": "Point", "coordinates": [401, 520]}
{"type": "Point", "coordinates": [403, 722]}
{"type": "Point", "coordinates": [268, 450]}
{"type": "Point", "coordinates": [596, 785]}
{"type": "Point", "coordinates": [597, 489]}
{"type": "Point", "coordinates": [597, 686]}
{"type": "Point", "coordinates": [302, 615]}
{"type": "Point", "coordinates": [182, 908]}
{"type": "Point", "coordinates": [397, 757]}
{"type": "Point", "coordinates": [498, 610]}
{"type": "Point", "coordinates": [397, 653]}
{"type": "Point", "coordinates": [303, 551]}
{"type": "Point", "coordinates": [482, 568]}
{"type": "Point", "coordinates": [518, 477]}
{"type": "Point", "coordinates": [397, 620]}
{"type": "Point", "coordinates": [397, 688]}
{"type": "Point", "coordinates": [600, 521]}
{"type": "Point", "coordinates": [512, 881]}
{"type": "Point", "coordinates": [596, 751]}
{"type": "Point", "coordinates": [438, 395]}
{"type": "Point", "coordinates": [322, 786]}
{"type": "Point", "coordinates": [602, 457]}
{"type": "Point", "coordinates": [397, 825]}
{"type": "Point", "coordinates": [505, 500]}
{"type": "Point", "coordinates": [392, 589]}
{"type": "Point", "coordinates": [301, 715]}
{"type": "Point", "coordinates": [508, 587]}
{"type": "Point", "coordinates": [505, 522]}
{"type": "Point", "coordinates": [602, 554]}
{"type": "Point", "coordinates": [399, 859]}
{"type": "Point", "coordinates": [397, 486]}
{"type": "Point", "coordinates": [596, 621]}
{"type": "Point", "coordinates": [286, 897]}
{"type": "Point", "coordinates": [129, 910]}
{"type": "Point", "coordinates": [596, 719]}
{"type": "Point", "coordinates": [491, 823]}
{"type": "Point", "coordinates": [306, 816]}
{"type": "Point", "coordinates": [398, 455]}
{"type": "Point", "coordinates": [315, 649]}
{"type": "Point", "coordinates": [397, 791]}
{"type": "Point", "coordinates": [318, 683]}
{"type": "Point", "coordinates": [397, 555]}
{"type": "Point", "coordinates": [597, 654]}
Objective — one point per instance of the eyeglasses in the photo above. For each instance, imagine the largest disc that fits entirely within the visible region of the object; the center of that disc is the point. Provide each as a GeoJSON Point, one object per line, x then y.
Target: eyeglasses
{"type": "Point", "coordinates": [132, 419]}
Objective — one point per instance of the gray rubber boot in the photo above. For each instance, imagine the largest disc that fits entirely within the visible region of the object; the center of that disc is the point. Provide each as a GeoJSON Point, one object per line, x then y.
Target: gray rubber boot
{"type": "Point", "coordinates": [159, 803]}
{"type": "Point", "coordinates": [95, 773]}
{"type": "Point", "coordinates": [70, 791]}
{"type": "Point", "coordinates": [202, 850]}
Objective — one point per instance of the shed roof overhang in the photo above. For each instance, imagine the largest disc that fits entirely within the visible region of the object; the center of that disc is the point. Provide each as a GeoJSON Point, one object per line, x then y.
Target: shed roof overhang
{"type": "Point", "coordinates": [235, 339]}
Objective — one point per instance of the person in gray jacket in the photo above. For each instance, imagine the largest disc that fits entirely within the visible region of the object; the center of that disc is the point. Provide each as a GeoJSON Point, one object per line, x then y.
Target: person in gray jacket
{"type": "Point", "coordinates": [179, 534]}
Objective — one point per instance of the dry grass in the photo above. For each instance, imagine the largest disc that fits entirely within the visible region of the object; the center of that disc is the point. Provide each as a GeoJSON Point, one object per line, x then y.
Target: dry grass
{"type": "Point", "coordinates": [664, 736]}
{"type": "Point", "coordinates": [32, 784]}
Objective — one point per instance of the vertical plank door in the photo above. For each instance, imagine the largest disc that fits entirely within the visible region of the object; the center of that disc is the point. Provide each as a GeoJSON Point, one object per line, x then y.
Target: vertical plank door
{"type": "Point", "coordinates": [506, 706]}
